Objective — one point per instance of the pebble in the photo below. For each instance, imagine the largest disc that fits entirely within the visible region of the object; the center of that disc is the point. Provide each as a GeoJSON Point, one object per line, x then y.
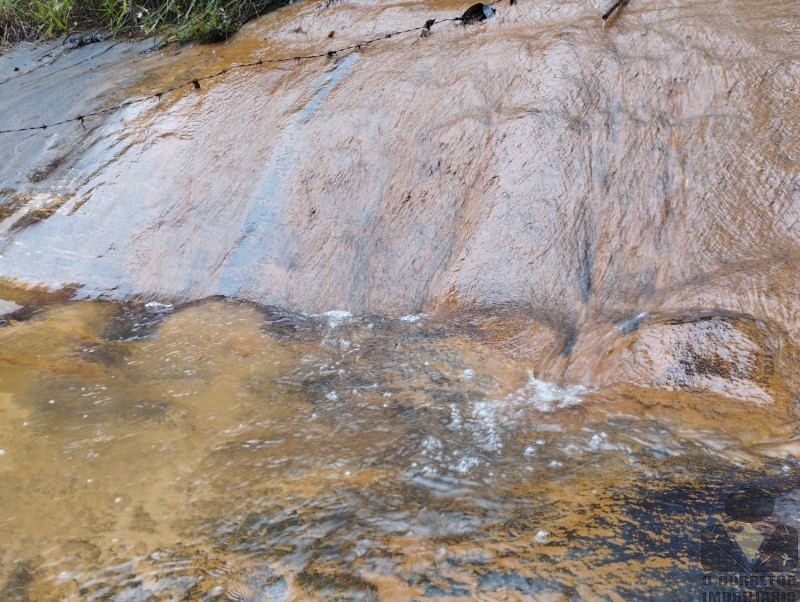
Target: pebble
{"type": "Point", "coordinates": [541, 537]}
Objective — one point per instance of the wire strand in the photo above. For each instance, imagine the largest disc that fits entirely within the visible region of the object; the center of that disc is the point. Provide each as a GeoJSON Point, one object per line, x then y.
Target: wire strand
{"type": "Point", "coordinates": [196, 82]}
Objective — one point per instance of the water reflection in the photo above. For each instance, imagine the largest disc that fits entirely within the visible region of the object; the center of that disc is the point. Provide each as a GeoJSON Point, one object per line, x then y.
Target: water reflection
{"type": "Point", "coordinates": [229, 451]}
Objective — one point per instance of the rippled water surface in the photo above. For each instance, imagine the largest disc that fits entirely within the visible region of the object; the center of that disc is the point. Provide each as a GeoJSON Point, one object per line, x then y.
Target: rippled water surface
{"type": "Point", "coordinates": [225, 451]}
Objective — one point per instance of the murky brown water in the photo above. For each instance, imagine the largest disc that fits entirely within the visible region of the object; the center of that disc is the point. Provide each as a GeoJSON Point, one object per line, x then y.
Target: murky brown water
{"type": "Point", "coordinates": [224, 451]}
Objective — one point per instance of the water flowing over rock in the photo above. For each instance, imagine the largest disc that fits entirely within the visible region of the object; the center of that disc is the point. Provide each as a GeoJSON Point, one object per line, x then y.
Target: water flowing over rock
{"type": "Point", "coordinates": [721, 353]}
{"type": "Point", "coordinates": [536, 161]}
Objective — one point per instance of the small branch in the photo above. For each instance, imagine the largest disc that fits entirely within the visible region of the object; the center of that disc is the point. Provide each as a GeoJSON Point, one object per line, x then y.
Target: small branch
{"type": "Point", "coordinates": [617, 5]}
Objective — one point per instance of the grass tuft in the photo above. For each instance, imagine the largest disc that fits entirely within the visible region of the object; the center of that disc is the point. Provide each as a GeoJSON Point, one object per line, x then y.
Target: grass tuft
{"type": "Point", "coordinates": [206, 21]}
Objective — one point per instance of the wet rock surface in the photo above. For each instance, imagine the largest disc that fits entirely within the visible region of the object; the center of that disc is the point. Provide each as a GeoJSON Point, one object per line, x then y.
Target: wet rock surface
{"type": "Point", "coordinates": [538, 161]}
{"type": "Point", "coordinates": [716, 352]}
{"type": "Point", "coordinates": [578, 173]}
{"type": "Point", "coordinates": [8, 307]}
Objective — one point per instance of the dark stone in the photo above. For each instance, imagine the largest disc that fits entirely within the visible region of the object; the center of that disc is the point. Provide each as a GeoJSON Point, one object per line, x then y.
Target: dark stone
{"type": "Point", "coordinates": [750, 505]}
{"type": "Point", "coordinates": [477, 12]}
{"type": "Point", "coordinates": [16, 588]}
{"type": "Point", "coordinates": [336, 582]}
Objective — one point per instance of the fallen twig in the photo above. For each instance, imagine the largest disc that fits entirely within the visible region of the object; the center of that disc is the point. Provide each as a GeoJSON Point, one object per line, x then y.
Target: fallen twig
{"type": "Point", "coordinates": [617, 5]}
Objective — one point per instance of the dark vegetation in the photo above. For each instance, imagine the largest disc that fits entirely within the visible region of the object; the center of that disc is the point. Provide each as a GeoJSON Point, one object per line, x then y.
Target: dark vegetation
{"type": "Point", "coordinates": [178, 20]}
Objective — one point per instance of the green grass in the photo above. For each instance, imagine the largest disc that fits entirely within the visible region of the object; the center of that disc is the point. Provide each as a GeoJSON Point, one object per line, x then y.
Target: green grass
{"type": "Point", "coordinates": [181, 20]}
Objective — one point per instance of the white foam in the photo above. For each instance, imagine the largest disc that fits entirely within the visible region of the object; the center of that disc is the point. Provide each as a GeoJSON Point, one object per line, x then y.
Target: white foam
{"type": "Point", "coordinates": [488, 421]}
{"type": "Point", "coordinates": [335, 317]}
{"type": "Point", "coordinates": [412, 318]}
{"type": "Point", "coordinates": [159, 308]}
{"type": "Point", "coordinates": [547, 396]}
{"type": "Point", "coordinates": [465, 464]}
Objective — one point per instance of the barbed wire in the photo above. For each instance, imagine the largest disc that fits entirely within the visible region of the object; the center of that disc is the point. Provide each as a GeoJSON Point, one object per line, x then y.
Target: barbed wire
{"type": "Point", "coordinates": [195, 82]}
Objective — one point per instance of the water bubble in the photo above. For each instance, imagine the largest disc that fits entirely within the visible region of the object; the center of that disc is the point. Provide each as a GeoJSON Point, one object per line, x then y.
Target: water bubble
{"type": "Point", "coordinates": [455, 417]}
{"type": "Point", "coordinates": [432, 444]}
{"type": "Point", "coordinates": [466, 464]}
{"type": "Point", "coordinates": [597, 441]}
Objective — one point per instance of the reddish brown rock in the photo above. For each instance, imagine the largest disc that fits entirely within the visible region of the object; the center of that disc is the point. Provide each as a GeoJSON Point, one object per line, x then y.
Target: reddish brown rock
{"type": "Point", "coordinates": [721, 353]}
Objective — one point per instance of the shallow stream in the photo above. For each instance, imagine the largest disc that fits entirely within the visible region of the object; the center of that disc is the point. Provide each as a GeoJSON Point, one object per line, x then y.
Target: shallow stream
{"type": "Point", "coordinates": [226, 451]}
